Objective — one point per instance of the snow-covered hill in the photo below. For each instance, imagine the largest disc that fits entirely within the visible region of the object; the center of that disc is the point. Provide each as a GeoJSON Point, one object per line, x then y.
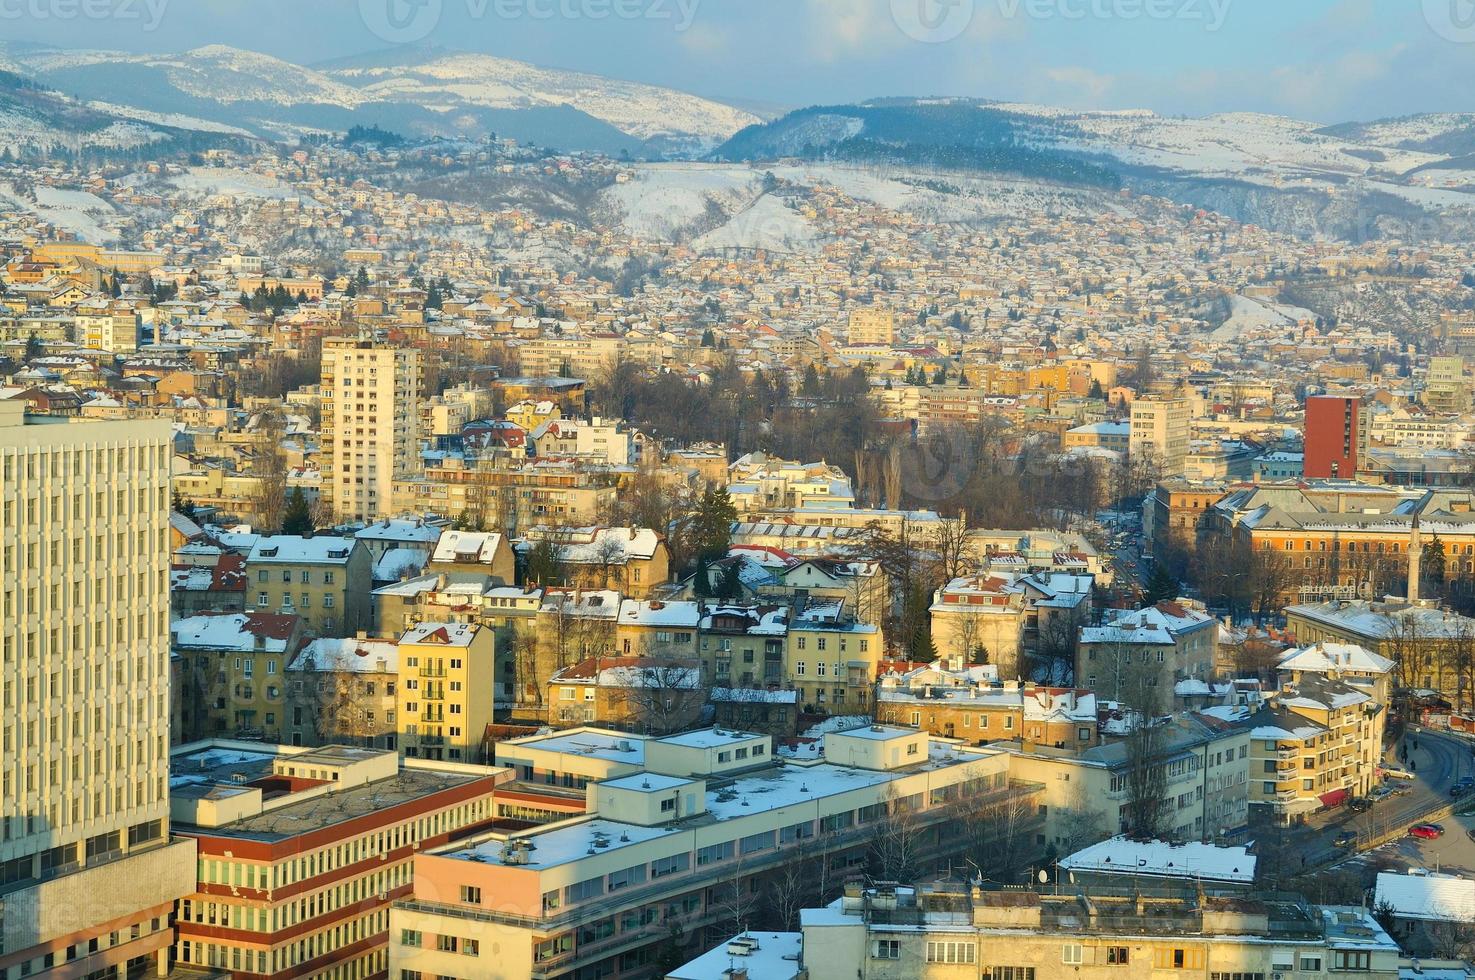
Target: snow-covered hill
{"type": "Point", "coordinates": [451, 81]}
{"type": "Point", "coordinates": [434, 94]}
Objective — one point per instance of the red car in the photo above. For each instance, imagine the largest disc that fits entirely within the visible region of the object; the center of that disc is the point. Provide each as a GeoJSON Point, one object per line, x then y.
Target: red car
{"type": "Point", "coordinates": [1427, 831]}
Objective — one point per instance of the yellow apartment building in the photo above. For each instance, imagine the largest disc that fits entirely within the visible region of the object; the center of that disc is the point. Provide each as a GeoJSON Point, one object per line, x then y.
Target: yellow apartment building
{"type": "Point", "coordinates": [444, 701]}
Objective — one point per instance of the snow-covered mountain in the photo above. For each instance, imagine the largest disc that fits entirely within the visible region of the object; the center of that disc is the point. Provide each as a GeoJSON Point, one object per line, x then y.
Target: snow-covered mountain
{"type": "Point", "coordinates": [36, 119]}
{"type": "Point", "coordinates": [412, 91]}
{"type": "Point", "coordinates": [452, 81]}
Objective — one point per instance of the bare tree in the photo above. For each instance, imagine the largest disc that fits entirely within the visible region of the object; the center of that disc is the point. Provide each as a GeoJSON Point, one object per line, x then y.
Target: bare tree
{"type": "Point", "coordinates": [269, 465]}
{"type": "Point", "coordinates": [995, 836]}
{"type": "Point", "coordinates": [896, 841]}
{"type": "Point", "coordinates": [659, 697]}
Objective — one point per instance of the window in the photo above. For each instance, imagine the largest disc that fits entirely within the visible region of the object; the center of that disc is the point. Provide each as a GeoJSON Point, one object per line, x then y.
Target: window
{"type": "Point", "coordinates": [941, 951]}
{"type": "Point", "coordinates": [757, 842]}
{"type": "Point", "coordinates": [1348, 959]}
{"type": "Point", "coordinates": [1178, 958]}
{"type": "Point", "coordinates": [446, 944]}
{"type": "Point", "coordinates": [800, 668]}
{"type": "Point", "coordinates": [589, 888]}
{"type": "Point", "coordinates": [1010, 973]}
{"type": "Point", "coordinates": [714, 853]}
{"type": "Point", "coordinates": [471, 947]}
{"type": "Point", "coordinates": [886, 949]}
{"type": "Point", "coordinates": [627, 877]}
{"type": "Point", "coordinates": [470, 895]}
{"type": "Point", "coordinates": [1116, 955]}
{"type": "Point", "coordinates": [1310, 964]}
{"type": "Point", "coordinates": [1072, 954]}
{"type": "Point", "coordinates": [409, 937]}
{"type": "Point", "coordinates": [674, 864]}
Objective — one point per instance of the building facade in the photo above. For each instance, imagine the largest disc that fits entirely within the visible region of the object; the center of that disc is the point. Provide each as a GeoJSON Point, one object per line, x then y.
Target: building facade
{"type": "Point", "coordinates": [88, 870]}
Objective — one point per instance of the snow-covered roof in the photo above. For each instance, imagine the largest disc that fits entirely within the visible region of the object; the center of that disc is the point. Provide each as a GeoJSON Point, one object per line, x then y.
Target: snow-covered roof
{"type": "Point", "coordinates": [397, 563]}
{"type": "Point", "coordinates": [441, 634]}
{"type": "Point", "coordinates": [291, 549]}
{"type": "Point", "coordinates": [1435, 897]}
{"type": "Point", "coordinates": [657, 614]}
{"type": "Point", "coordinates": [466, 547]}
{"type": "Point", "coordinates": [400, 531]}
{"type": "Point", "coordinates": [348, 656]}
{"type": "Point", "coordinates": [1121, 855]}
{"type": "Point", "coordinates": [234, 632]}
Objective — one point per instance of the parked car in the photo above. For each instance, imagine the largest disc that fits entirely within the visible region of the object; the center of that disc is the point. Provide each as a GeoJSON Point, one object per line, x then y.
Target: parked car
{"type": "Point", "coordinates": [1465, 785]}
{"type": "Point", "coordinates": [1470, 833]}
{"type": "Point", "coordinates": [1426, 831]}
{"type": "Point", "coordinates": [1400, 789]}
{"type": "Point", "coordinates": [1360, 804]}
{"type": "Point", "coordinates": [1346, 838]}
{"type": "Point", "coordinates": [1381, 793]}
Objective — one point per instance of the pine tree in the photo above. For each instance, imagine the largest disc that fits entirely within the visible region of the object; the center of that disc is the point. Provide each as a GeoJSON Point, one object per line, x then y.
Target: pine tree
{"type": "Point", "coordinates": [298, 518]}
{"type": "Point", "coordinates": [1162, 587]}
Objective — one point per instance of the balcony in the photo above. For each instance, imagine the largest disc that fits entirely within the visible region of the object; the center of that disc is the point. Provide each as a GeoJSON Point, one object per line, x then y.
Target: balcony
{"type": "Point", "coordinates": [431, 739]}
{"type": "Point", "coordinates": [432, 672]}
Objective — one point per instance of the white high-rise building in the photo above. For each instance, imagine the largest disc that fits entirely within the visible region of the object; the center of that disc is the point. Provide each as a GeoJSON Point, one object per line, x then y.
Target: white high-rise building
{"type": "Point", "coordinates": [370, 425]}
{"type": "Point", "coordinates": [88, 874]}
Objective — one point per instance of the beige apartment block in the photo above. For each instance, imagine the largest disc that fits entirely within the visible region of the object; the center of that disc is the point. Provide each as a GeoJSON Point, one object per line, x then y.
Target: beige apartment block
{"type": "Point", "coordinates": [88, 875]}
{"type": "Point", "coordinates": [370, 425]}
{"type": "Point", "coordinates": [1159, 434]}
{"type": "Point", "coordinates": [873, 326]}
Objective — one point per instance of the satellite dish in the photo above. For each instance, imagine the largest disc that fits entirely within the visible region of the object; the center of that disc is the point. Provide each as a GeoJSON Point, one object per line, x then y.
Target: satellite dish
{"type": "Point", "coordinates": [1044, 876]}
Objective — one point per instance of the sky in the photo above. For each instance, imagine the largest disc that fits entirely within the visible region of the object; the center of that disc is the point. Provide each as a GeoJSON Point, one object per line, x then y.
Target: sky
{"type": "Point", "coordinates": [1323, 60]}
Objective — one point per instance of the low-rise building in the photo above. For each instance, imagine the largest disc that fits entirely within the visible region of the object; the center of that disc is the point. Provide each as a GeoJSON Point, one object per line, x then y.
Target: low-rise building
{"type": "Point", "coordinates": [301, 851]}
{"type": "Point", "coordinates": [324, 580]}
{"type": "Point", "coordinates": [664, 853]}
{"type": "Point", "coordinates": [895, 932]}
{"type": "Point", "coordinates": [342, 692]}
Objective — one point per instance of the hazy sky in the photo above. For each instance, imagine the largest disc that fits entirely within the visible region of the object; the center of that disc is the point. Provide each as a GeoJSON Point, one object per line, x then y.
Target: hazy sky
{"type": "Point", "coordinates": [1328, 60]}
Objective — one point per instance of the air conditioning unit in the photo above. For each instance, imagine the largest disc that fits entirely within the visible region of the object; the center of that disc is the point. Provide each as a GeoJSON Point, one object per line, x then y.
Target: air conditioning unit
{"type": "Point", "coordinates": [1277, 976]}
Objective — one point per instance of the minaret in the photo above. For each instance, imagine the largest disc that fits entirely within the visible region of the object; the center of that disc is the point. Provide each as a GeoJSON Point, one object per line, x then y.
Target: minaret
{"type": "Point", "coordinates": [1415, 561]}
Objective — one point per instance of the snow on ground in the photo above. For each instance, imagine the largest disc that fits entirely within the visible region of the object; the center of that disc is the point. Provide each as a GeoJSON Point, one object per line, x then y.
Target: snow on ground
{"type": "Point", "coordinates": [84, 215]}
{"type": "Point", "coordinates": [1248, 315]}
{"type": "Point", "coordinates": [975, 198]}
{"type": "Point", "coordinates": [234, 182]}
{"type": "Point", "coordinates": [836, 723]}
{"type": "Point", "coordinates": [174, 120]}
{"type": "Point", "coordinates": [662, 199]}
{"type": "Point", "coordinates": [768, 224]}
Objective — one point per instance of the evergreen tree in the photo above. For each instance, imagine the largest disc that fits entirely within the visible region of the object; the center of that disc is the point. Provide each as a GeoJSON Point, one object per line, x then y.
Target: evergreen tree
{"type": "Point", "coordinates": [362, 279]}
{"type": "Point", "coordinates": [810, 384]}
{"type": "Point", "coordinates": [298, 518]}
{"type": "Point", "coordinates": [732, 583]}
{"type": "Point", "coordinates": [1162, 587]}
{"type": "Point", "coordinates": [711, 525]}
{"type": "Point", "coordinates": [939, 377]}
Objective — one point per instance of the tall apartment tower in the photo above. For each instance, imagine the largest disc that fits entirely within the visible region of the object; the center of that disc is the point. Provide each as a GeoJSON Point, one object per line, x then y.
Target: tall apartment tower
{"type": "Point", "coordinates": [1335, 437]}
{"type": "Point", "coordinates": [88, 873]}
{"type": "Point", "coordinates": [1445, 387]}
{"type": "Point", "coordinates": [1159, 431]}
{"type": "Point", "coordinates": [872, 326]}
{"type": "Point", "coordinates": [370, 425]}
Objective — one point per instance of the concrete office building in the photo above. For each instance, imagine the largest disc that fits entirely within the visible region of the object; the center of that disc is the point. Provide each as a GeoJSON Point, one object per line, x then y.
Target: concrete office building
{"type": "Point", "coordinates": [88, 872]}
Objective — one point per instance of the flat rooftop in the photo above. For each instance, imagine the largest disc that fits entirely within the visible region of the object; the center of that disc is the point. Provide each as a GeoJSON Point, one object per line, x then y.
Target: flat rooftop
{"type": "Point", "coordinates": [217, 773]}
{"type": "Point", "coordinates": [610, 746]}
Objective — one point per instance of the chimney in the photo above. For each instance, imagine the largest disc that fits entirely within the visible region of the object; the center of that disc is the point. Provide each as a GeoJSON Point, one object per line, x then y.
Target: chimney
{"type": "Point", "coordinates": [1415, 561]}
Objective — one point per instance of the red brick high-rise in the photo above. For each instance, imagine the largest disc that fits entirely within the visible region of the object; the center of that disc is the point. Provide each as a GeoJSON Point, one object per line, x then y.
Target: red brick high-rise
{"type": "Point", "coordinates": [1336, 437]}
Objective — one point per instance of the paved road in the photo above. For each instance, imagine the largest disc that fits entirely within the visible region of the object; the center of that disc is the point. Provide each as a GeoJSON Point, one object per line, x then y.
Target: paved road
{"type": "Point", "coordinates": [1441, 760]}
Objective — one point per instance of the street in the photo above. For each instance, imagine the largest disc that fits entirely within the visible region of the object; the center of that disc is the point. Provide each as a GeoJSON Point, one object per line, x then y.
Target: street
{"type": "Point", "coordinates": [1441, 760]}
